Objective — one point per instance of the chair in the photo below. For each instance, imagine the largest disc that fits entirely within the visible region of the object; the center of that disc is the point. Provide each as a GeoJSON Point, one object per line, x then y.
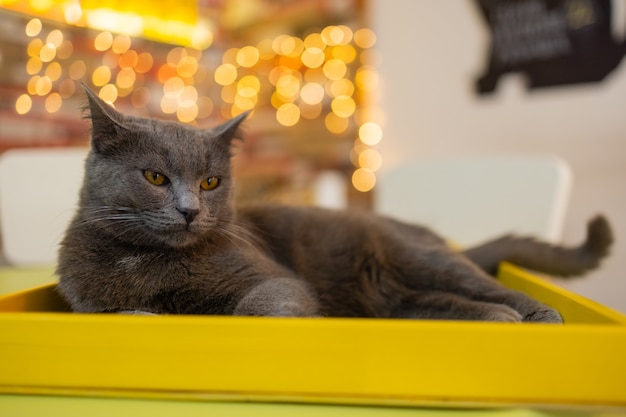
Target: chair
{"type": "Point", "coordinates": [470, 199]}
{"type": "Point", "coordinates": [38, 195]}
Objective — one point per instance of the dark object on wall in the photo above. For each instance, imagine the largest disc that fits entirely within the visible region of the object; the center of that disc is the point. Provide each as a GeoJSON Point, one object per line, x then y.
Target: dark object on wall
{"type": "Point", "coordinates": [553, 42]}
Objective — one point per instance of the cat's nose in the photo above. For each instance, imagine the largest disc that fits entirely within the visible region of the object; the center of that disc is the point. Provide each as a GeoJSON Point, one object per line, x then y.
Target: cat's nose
{"type": "Point", "coordinates": [189, 214]}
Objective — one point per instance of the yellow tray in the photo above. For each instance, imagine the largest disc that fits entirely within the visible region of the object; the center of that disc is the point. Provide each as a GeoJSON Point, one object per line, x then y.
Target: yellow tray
{"type": "Point", "coordinates": [44, 350]}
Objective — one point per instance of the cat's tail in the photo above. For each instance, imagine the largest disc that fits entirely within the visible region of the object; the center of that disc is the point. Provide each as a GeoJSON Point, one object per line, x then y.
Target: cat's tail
{"type": "Point", "coordinates": [544, 257]}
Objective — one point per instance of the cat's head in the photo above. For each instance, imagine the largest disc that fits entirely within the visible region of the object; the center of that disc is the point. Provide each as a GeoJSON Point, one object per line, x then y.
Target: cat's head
{"type": "Point", "coordinates": [154, 182]}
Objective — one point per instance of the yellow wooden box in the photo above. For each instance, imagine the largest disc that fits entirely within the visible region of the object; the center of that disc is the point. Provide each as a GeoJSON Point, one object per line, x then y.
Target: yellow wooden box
{"type": "Point", "coordinates": [46, 350]}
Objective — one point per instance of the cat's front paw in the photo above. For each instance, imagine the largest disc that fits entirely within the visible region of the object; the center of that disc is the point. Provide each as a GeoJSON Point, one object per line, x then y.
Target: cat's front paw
{"type": "Point", "coordinates": [137, 313]}
{"type": "Point", "coordinates": [502, 313]}
{"type": "Point", "coordinates": [547, 315]}
{"type": "Point", "coordinates": [286, 297]}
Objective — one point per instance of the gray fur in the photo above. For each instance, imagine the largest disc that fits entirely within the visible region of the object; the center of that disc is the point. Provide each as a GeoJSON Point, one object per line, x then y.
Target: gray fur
{"type": "Point", "coordinates": [175, 248]}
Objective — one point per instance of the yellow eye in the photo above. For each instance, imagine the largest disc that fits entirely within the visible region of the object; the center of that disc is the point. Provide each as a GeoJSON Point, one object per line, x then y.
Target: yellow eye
{"type": "Point", "coordinates": [210, 183]}
{"type": "Point", "coordinates": [155, 178]}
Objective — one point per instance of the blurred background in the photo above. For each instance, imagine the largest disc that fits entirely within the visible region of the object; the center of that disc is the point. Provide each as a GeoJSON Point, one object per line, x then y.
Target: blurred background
{"type": "Point", "coordinates": [341, 90]}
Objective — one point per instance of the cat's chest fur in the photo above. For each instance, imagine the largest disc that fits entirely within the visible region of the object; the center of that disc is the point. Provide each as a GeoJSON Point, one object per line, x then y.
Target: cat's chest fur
{"type": "Point", "coordinates": [202, 279]}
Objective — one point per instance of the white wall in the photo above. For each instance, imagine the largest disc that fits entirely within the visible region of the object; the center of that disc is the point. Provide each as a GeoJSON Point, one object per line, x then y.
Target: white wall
{"type": "Point", "coordinates": [433, 50]}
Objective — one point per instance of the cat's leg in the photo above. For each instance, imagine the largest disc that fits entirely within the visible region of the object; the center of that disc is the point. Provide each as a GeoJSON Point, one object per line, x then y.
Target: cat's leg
{"type": "Point", "coordinates": [475, 285]}
{"type": "Point", "coordinates": [278, 297]}
{"type": "Point", "coordinates": [422, 261]}
{"type": "Point", "coordinates": [466, 279]}
{"type": "Point", "coordinates": [443, 305]}
{"type": "Point", "coordinates": [529, 308]}
{"type": "Point", "coordinates": [443, 270]}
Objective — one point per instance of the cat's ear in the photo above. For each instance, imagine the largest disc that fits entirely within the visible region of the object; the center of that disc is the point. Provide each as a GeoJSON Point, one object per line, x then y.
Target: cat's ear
{"type": "Point", "coordinates": [107, 124]}
{"type": "Point", "coordinates": [230, 129]}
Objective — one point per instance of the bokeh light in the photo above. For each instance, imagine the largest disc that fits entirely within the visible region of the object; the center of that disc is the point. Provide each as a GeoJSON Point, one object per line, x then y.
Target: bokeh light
{"type": "Point", "coordinates": [121, 43]}
{"type": "Point", "coordinates": [288, 85]}
{"type": "Point", "coordinates": [187, 66]}
{"type": "Point", "coordinates": [364, 38]}
{"type": "Point", "coordinates": [101, 76]}
{"type": "Point", "coordinates": [370, 159]}
{"type": "Point", "coordinates": [43, 86]}
{"type": "Point", "coordinates": [225, 74]}
{"type": "Point", "coordinates": [145, 61]}
{"type": "Point", "coordinates": [336, 124]}
{"type": "Point", "coordinates": [248, 86]}
{"type": "Point", "coordinates": [363, 179]}
{"type": "Point", "coordinates": [187, 114]}
{"type": "Point", "coordinates": [288, 114]}
{"type": "Point", "coordinates": [34, 65]}
{"type": "Point", "coordinates": [326, 75]}
{"type": "Point", "coordinates": [248, 56]}
{"type": "Point", "coordinates": [108, 93]}
{"type": "Point", "coordinates": [312, 93]}
{"type": "Point", "coordinates": [128, 59]}
{"type": "Point", "coordinates": [47, 52]}
{"type": "Point", "coordinates": [103, 41]}
{"type": "Point", "coordinates": [67, 88]}
{"type": "Point", "coordinates": [341, 87]}
{"type": "Point", "coordinates": [366, 78]}
{"type": "Point", "coordinates": [77, 69]}
{"type": "Point", "coordinates": [370, 133]}
{"type": "Point", "coordinates": [23, 104]}
{"type": "Point", "coordinates": [335, 69]}
{"type": "Point", "coordinates": [53, 103]}
{"type": "Point", "coordinates": [65, 50]}
{"type": "Point", "coordinates": [313, 57]}
{"type": "Point", "coordinates": [343, 106]}
{"type": "Point", "coordinates": [34, 47]}
{"type": "Point", "coordinates": [54, 71]}
{"type": "Point", "coordinates": [125, 78]}
{"type": "Point", "coordinates": [33, 27]}
{"type": "Point", "coordinates": [55, 38]}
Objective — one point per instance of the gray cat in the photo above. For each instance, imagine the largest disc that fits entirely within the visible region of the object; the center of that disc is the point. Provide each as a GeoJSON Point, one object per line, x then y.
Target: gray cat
{"type": "Point", "coordinates": [157, 231]}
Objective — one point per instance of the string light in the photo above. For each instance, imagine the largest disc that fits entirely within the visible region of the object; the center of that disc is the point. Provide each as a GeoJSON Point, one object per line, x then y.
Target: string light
{"type": "Point", "coordinates": [248, 56]}
{"type": "Point", "coordinates": [288, 114]}
{"type": "Point", "coordinates": [363, 179]}
{"type": "Point", "coordinates": [370, 133]}
{"type": "Point", "coordinates": [47, 52]}
{"type": "Point", "coordinates": [103, 41]}
{"type": "Point", "coordinates": [108, 93]}
{"type": "Point", "coordinates": [34, 65]}
{"type": "Point", "coordinates": [101, 76]}
{"type": "Point", "coordinates": [313, 57]}
{"type": "Point", "coordinates": [364, 38]}
{"type": "Point", "coordinates": [53, 103]}
{"type": "Point", "coordinates": [33, 27]}
{"type": "Point", "coordinates": [336, 124]}
{"type": "Point", "coordinates": [65, 50]}
{"type": "Point", "coordinates": [312, 93]}
{"type": "Point", "coordinates": [34, 47]}
{"type": "Point", "coordinates": [55, 38]}
{"type": "Point", "coordinates": [121, 43]}
{"type": "Point", "coordinates": [328, 75]}
{"type": "Point", "coordinates": [23, 104]}
{"type": "Point", "coordinates": [225, 74]}
{"type": "Point", "coordinates": [77, 69]}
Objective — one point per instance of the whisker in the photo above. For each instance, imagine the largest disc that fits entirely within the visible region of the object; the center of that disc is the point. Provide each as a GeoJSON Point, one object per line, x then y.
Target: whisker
{"type": "Point", "coordinates": [100, 220]}
{"type": "Point", "coordinates": [237, 234]}
{"type": "Point", "coordinates": [134, 226]}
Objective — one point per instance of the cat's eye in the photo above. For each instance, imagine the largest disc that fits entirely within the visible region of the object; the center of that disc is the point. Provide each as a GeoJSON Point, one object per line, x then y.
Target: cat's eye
{"type": "Point", "coordinates": [209, 183]}
{"type": "Point", "coordinates": [155, 178]}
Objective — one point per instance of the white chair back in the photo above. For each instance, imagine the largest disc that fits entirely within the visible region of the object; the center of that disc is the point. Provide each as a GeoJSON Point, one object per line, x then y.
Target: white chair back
{"type": "Point", "coordinates": [38, 195]}
{"type": "Point", "coordinates": [470, 199]}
